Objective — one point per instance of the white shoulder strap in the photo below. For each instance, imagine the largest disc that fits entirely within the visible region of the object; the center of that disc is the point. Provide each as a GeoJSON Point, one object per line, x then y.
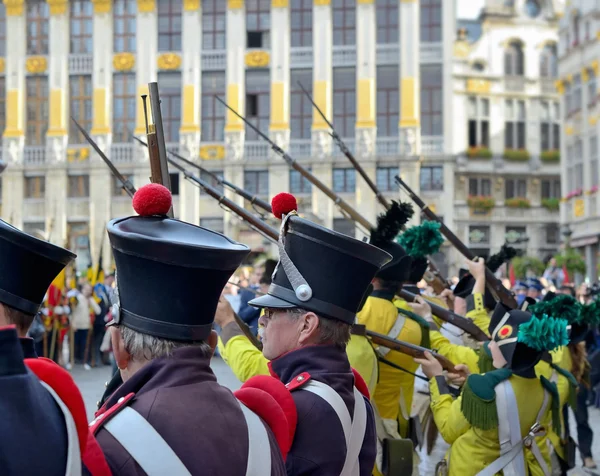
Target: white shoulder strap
{"type": "Point", "coordinates": [144, 444]}
{"type": "Point", "coordinates": [354, 430]}
{"type": "Point", "coordinates": [73, 451]}
{"type": "Point", "coordinates": [393, 333]}
{"type": "Point", "coordinates": [259, 447]}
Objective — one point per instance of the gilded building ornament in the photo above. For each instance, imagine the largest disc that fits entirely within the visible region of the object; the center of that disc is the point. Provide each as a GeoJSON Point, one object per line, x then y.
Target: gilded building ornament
{"type": "Point", "coordinates": [102, 6]}
{"type": "Point", "coordinates": [461, 49]}
{"type": "Point", "coordinates": [322, 2]}
{"type": "Point", "coordinates": [2, 65]}
{"type": "Point", "coordinates": [585, 75]}
{"type": "Point", "coordinates": [235, 4]}
{"type": "Point", "coordinates": [36, 64]}
{"type": "Point", "coordinates": [478, 86]}
{"type": "Point", "coordinates": [57, 7]}
{"type": "Point", "coordinates": [123, 61]}
{"type": "Point", "coordinates": [257, 59]}
{"type": "Point", "coordinates": [146, 6]}
{"type": "Point", "coordinates": [569, 130]}
{"type": "Point", "coordinates": [78, 154]}
{"type": "Point", "coordinates": [212, 152]}
{"type": "Point", "coordinates": [279, 3]}
{"type": "Point", "coordinates": [594, 67]}
{"type": "Point", "coordinates": [169, 61]}
{"type": "Point", "coordinates": [560, 86]}
{"type": "Point", "coordinates": [191, 5]}
{"type": "Point", "coordinates": [365, 2]}
{"type": "Point", "coordinates": [592, 120]}
{"type": "Point", "coordinates": [14, 7]}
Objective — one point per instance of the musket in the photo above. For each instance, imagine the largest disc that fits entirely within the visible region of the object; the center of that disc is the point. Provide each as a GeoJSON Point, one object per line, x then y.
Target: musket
{"type": "Point", "coordinates": [244, 214]}
{"type": "Point", "coordinates": [340, 143]}
{"type": "Point", "coordinates": [450, 317]}
{"type": "Point", "coordinates": [344, 206]}
{"type": "Point", "coordinates": [157, 149]}
{"type": "Point", "coordinates": [415, 351]}
{"type": "Point", "coordinates": [499, 292]}
{"type": "Point", "coordinates": [125, 183]}
{"type": "Point", "coordinates": [253, 199]}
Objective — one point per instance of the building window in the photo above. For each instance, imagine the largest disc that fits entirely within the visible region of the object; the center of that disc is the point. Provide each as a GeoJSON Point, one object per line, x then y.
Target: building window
{"type": "Point", "coordinates": [592, 95]}
{"type": "Point", "coordinates": [387, 21]}
{"type": "Point", "coordinates": [78, 186]}
{"type": "Point", "coordinates": [514, 63]}
{"type": "Point", "coordinates": [213, 112]}
{"type": "Point", "coordinates": [2, 105]}
{"type": "Point", "coordinates": [514, 125]}
{"type": "Point", "coordinates": [431, 20]}
{"type": "Point", "coordinates": [170, 98]}
{"type": "Point", "coordinates": [479, 236]}
{"type": "Point", "coordinates": [431, 100]}
{"type": "Point", "coordinates": [388, 100]}
{"type": "Point", "coordinates": [515, 188]}
{"type": "Point", "coordinates": [37, 109]}
{"type": "Point", "coordinates": [549, 62]}
{"type": "Point", "coordinates": [344, 226]}
{"type": "Point", "coordinates": [169, 25]}
{"type": "Point", "coordinates": [214, 224]}
{"type": "Point", "coordinates": [124, 106]}
{"type": "Point", "coordinates": [212, 181]}
{"type": "Point", "coordinates": [35, 187]}
{"type": "Point", "coordinates": [480, 186]}
{"type": "Point", "coordinates": [81, 25]}
{"type": "Point", "coordinates": [551, 188]}
{"type": "Point", "coordinates": [344, 22]}
{"type": "Point", "coordinates": [257, 102]}
{"type": "Point", "coordinates": [2, 30]}
{"type": "Point", "coordinates": [301, 110]}
{"type": "Point", "coordinates": [344, 101]}
{"type": "Point", "coordinates": [431, 178]}
{"type": "Point", "coordinates": [298, 184]}
{"type": "Point", "coordinates": [256, 182]}
{"type": "Point", "coordinates": [117, 186]}
{"type": "Point", "coordinates": [301, 22]}
{"type": "Point", "coordinates": [568, 99]}
{"type": "Point", "coordinates": [80, 89]}
{"type": "Point", "coordinates": [552, 234]}
{"type": "Point", "coordinates": [124, 25]}
{"type": "Point", "coordinates": [174, 180]}
{"type": "Point", "coordinates": [258, 24]}
{"type": "Point", "coordinates": [576, 25]}
{"type": "Point", "coordinates": [344, 180]}
{"type": "Point", "coordinates": [550, 126]}
{"type": "Point", "coordinates": [214, 24]}
{"type": "Point", "coordinates": [385, 178]}
{"type": "Point", "coordinates": [577, 161]}
{"type": "Point", "coordinates": [532, 8]}
{"type": "Point", "coordinates": [576, 94]}
{"type": "Point", "coordinates": [479, 121]}
{"type": "Point", "coordinates": [594, 160]}
{"type": "Point", "coordinates": [37, 27]}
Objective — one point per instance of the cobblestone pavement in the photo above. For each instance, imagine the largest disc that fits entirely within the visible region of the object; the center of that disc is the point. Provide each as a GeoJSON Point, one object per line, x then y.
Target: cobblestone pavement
{"type": "Point", "coordinates": [91, 384]}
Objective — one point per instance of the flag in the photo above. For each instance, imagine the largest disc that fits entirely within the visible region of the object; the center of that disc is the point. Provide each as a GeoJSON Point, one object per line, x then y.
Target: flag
{"type": "Point", "coordinates": [566, 273]}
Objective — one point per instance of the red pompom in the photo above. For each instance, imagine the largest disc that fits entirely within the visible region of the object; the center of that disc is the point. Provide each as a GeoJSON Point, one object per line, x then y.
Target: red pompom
{"type": "Point", "coordinates": [282, 204]}
{"type": "Point", "coordinates": [152, 199]}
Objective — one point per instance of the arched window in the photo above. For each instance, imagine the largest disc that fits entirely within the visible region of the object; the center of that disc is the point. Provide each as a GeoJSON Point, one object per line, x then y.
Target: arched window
{"type": "Point", "coordinates": [513, 59]}
{"type": "Point", "coordinates": [548, 62]}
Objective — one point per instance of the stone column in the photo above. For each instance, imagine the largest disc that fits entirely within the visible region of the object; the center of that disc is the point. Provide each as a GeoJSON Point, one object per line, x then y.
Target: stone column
{"type": "Point", "coordinates": [591, 261]}
{"type": "Point", "coordinates": [236, 95]}
{"type": "Point", "coordinates": [189, 133]}
{"type": "Point", "coordinates": [146, 55]}
{"type": "Point", "coordinates": [13, 135]}
{"type": "Point", "coordinates": [410, 108]}
{"type": "Point", "coordinates": [366, 126]}
{"type": "Point", "coordinates": [56, 142]}
{"type": "Point", "coordinates": [100, 176]}
{"type": "Point", "coordinates": [564, 186]}
{"type": "Point", "coordinates": [322, 95]}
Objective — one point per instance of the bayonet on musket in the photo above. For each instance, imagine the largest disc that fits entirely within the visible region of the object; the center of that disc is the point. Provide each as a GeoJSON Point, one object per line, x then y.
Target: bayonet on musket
{"type": "Point", "coordinates": [253, 199]}
{"type": "Point", "coordinates": [125, 183]}
{"type": "Point", "coordinates": [343, 205]}
{"type": "Point", "coordinates": [346, 151]}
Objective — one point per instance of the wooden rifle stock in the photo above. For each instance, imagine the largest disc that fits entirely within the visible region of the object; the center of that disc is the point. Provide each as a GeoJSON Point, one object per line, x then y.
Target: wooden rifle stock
{"type": "Point", "coordinates": [495, 286]}
{"type": "Point", "coordinates": [446, 315]}
{"type": "Point", "coordinates": [415, 351]}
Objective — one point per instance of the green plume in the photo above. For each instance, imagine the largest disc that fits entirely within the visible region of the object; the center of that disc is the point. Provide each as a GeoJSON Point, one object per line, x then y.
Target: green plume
{"type": "Point", "coordinates": [422, 240]}
{"type": "Point", "coordinates": [562, 306]}
{"type": "Point", "coordinates": [544, 333]}
{"type": "Point", "coordinates": [590, 314]}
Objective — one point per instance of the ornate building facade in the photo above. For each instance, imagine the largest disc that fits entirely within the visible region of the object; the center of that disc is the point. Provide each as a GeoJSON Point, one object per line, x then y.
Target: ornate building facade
{"type": "Point", "coordinates": [377, 68]}
{"type": "Point", "coordinates": [506, 128]}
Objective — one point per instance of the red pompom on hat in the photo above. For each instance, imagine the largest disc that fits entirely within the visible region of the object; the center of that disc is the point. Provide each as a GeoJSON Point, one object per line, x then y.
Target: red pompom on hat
{"type": "Point", "coordinates": [152, 199]}
{"type": "Point", "coordinates": [282, 204]}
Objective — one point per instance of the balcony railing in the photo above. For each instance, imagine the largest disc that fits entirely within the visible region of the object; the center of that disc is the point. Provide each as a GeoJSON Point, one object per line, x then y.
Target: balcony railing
{"type": "Point", "coordinates": [34, 155]}
{"type": "Point", "coordinates": [350, 143]}
{"type": "Point", "coordinates": [547, 86]}
{"type": "Point", "coordinates": [514, 83]}
{"type": "Point", "coordinates": [122, 153]}
{"type": "Point", "coordinates": [344, 56]}
{"type": "Point", "coordinates": [256, 150]}
{"type": "Point", "coordinates": [214, 60]}
{"type": "Point", "coordinates": [301, 57]}
{"type": "Point", "coordinates": [300, 148]}
{"type": "Point", "coordinates": [431, 52]}
{"type": "Point", "coordinates": [432, 145]}
{"type": "Point", "coordinates": [388, 53]}
{"type": "Point", "coordinates": [81, 64]}
{"type": "Point", "coordinates": [388, 146]}
{"type": "Point", "coordinates": [172, 147]}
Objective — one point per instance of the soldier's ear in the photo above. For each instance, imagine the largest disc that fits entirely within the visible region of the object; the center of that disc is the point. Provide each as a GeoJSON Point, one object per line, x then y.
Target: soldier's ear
{"type": "Point", "coordinates": [122, 357]}
{"type": "Point", "coordinates": [309, 332]}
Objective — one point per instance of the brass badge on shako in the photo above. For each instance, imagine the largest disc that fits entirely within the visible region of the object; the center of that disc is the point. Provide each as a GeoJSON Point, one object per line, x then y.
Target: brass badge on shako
{"type": "Point", "coordinates": [505, 331]}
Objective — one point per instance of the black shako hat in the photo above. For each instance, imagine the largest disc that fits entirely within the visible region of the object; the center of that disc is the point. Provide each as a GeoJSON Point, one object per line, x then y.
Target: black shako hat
{"type": "Point", "coordinates": [319, 270]}
{"type": "Point", "coordinates": [29, 267]}
{"type": "Point", "coordinates": [170, 274]}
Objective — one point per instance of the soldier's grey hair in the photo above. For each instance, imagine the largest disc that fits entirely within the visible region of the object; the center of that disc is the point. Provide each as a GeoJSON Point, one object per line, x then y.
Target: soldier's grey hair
{"type": "Point", "coordinates": [142, 346]}
{"type": "Point", "coordinates": [331, 331]}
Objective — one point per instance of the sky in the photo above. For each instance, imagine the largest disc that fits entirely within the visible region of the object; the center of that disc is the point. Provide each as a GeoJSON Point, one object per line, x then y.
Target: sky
{"type": "Point", "coordinates": [469, 8]}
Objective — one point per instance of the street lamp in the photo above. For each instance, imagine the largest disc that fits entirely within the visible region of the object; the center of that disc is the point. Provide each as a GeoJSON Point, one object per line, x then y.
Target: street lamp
{"type": "Point", "coordinates": [567, 232]}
